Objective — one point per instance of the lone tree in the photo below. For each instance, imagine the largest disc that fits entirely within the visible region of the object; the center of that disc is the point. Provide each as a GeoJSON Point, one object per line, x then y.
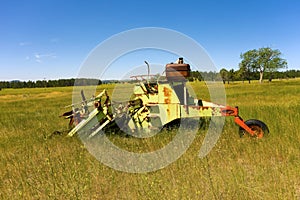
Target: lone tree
{"type": "Point", "coordinates": [261, 60]}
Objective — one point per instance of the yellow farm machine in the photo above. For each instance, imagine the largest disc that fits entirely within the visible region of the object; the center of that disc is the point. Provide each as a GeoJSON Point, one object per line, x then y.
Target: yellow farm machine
{"type": "Point", "coordinates": [152, 105]}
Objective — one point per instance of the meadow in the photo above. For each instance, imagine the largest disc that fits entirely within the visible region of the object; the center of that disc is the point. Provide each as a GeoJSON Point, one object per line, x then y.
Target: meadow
{"type": "Point", "coordinates": [36, 164]}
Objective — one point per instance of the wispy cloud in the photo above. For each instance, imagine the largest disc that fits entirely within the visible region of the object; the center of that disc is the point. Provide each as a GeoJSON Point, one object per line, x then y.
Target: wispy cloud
{"type": "Point", "coordinates": [40, 57]}
{"type": "Point", "coordinates": [38, 60]}
{"type": "Point", "coordinates": [24, 43]}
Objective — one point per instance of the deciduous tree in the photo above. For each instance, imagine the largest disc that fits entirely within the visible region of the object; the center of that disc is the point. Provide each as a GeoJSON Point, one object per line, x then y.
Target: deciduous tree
{"type": "Point", "coordinates": [261, 60]}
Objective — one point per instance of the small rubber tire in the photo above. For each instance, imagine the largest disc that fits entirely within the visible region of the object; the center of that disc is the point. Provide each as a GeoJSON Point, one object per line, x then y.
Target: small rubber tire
{"type": "Point", "coordinates": [260, 128]}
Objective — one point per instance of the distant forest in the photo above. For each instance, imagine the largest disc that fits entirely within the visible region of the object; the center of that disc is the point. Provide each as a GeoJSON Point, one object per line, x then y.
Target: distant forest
{"type": "Point", "coordinates": [49, 83]}
{"type": "Point", "coordinates": [232, 75]}
{"type": "Point", "coordinates": [195, 75]}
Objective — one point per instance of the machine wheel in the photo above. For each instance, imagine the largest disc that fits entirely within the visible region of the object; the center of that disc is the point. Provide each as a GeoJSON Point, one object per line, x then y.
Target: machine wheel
{"type": "Point", "coordinates": [259, 127]}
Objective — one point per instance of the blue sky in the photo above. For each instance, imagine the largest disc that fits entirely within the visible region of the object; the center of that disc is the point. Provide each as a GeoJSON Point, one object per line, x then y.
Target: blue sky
{"type": "Point", "coordinates": [50, 39]}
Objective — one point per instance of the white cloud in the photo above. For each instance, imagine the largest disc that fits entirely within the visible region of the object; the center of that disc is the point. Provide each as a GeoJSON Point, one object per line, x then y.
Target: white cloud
{"type": "Point", "coordinates": [24, 43]}
{"type": "Point", "coordinates": [40, 57]}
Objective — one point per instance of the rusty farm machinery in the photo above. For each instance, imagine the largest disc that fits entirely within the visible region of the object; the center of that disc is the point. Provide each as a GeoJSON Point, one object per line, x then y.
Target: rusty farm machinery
{"type": "Point", "coordinates": [152, 105]}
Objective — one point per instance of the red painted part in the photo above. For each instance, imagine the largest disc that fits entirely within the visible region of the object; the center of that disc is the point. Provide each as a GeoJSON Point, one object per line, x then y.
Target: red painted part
{"type": "Point", "coordinates": [239, 121]}
{"type": "Point", "coordinates": [230, 111]}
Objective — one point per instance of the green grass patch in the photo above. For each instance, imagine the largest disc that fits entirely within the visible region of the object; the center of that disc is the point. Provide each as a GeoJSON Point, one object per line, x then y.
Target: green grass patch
{"type": "Point", "coordinates": [36, 166]}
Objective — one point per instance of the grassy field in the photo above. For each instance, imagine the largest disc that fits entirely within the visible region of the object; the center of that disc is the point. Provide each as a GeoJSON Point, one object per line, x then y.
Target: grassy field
{"type": "Point", "coordinates": [37, 165]}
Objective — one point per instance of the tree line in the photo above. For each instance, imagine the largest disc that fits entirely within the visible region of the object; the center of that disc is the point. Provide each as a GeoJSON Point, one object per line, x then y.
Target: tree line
{"type": "Point", "coordinates": [237, 75]}
{"type": "Point", "coordinates": [49, 83]}
{"type": "Point", "coordinates": [225, 76]}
